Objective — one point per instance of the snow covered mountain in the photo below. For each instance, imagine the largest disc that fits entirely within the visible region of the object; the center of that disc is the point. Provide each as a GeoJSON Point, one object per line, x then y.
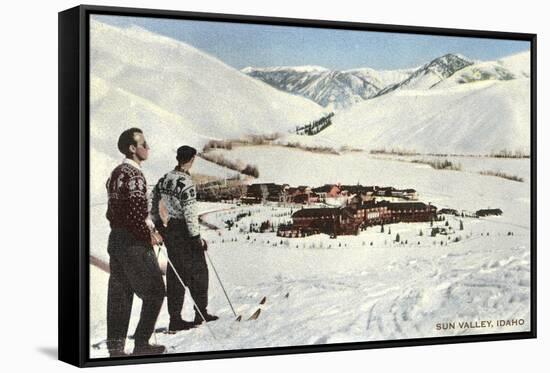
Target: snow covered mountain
{"type": "Point", "coordinates": [475, 118]}
{"type": "Point", "coordinates": [384, 77]}
{"type": "Point", "coordinates": [329, 88]}
{"type": "Point", "coordinates": [177, 94]}
{"type": "Point", "coordinates": [430, 74]}
{"type": "Point", "coordinates": [431, 110]}
{"type": "Point", "coordinates": [337, 90]}
{"type": "Point", "coordinates": [213, 98]}
{"type": "Point", "coordinates": [512, 67]}
{"type": "Point", "coordinates": [450, 105]}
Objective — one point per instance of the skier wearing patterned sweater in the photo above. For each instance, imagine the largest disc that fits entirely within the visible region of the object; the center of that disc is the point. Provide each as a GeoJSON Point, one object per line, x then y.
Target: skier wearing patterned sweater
{"type": "Point", "coordinates": [183, 242]}
{"type": "Point", "coordinates": [134, 267]}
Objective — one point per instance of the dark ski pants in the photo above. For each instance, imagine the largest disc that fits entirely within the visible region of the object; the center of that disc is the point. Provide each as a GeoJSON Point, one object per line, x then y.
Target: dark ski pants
{"type": "Point", "coordinates": [189, 260]}
{"type": "Point", "coordinates": [134, 270]}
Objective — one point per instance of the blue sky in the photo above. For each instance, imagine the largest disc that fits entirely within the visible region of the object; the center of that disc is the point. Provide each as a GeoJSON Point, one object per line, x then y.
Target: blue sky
{"type": "Point", "coordinates": [242, 45]}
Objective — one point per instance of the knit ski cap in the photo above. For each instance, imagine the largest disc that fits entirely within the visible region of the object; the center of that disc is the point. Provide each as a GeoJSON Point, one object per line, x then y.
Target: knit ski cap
{"type": "Point", "coordinates": [185, 153]}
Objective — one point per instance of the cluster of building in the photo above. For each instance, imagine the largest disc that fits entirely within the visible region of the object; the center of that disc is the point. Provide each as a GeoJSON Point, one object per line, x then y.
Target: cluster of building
{"type": "Point", "coordinates": [361, 207]}
{"type": "Point", "coordinates": [358, 211]}
{"type": "Point", "coordinates": [284, 193]}
{"type": "Point", "coordinates": [352, 218]}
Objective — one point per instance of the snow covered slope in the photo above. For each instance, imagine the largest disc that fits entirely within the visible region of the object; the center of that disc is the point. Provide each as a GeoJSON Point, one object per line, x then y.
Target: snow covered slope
{"type": "Point", "coordinates": [476, 118]}
{"type": "Point", "coordinates": [329, 88]}
{"type": "Point", "coordinates": [214, 99]}
{"type": "Point", "coordinates": [177, 95]}
{"type": "Point", "coordinates": [431, 73]}
{"type": "Point", "coordinates": [512, 67]}
{"type": "Point", "coordinates": [384, 78]}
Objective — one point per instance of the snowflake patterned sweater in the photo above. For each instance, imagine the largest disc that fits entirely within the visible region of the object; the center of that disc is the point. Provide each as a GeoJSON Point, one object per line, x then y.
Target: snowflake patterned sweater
{"type": "Point", "coordinates": [177, 191]}
{"type": "Point", "coordinates": [127, 206]}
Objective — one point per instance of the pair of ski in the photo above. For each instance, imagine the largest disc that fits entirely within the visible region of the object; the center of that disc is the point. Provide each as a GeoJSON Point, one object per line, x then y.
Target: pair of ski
{"type": "Point", "coordinates": [256, 313]}
{"type": "Point", "coordinates": [252, 317]}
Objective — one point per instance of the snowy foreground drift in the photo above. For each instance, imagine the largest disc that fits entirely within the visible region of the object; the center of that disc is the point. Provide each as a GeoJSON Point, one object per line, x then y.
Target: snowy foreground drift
{"type": "Point", "coordinates": [351, 294]}
{"type": "Point", "coordinates": [357, 288]}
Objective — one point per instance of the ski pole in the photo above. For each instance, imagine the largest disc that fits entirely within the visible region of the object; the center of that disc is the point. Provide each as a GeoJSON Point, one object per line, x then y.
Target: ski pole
{"type": "Point", "coordinates": [155, 331]}
{"type": "Point", "coordinates": [221, 284]}
{"type": "Point", "coordinates": [161, 245]}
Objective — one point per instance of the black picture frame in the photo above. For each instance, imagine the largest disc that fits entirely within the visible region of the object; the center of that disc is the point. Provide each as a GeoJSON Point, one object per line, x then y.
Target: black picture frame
{"type": "Point", "coordinates": [74, 167]}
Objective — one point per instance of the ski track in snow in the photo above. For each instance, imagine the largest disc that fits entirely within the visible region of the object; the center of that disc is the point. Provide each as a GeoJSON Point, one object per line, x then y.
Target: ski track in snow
{"type": "Point", "coordinates": [390, 300]}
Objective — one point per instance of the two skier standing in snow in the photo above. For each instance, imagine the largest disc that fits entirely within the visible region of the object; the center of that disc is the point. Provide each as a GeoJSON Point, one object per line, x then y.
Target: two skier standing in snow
{"type": "Point", "coordinates": [134, 267]}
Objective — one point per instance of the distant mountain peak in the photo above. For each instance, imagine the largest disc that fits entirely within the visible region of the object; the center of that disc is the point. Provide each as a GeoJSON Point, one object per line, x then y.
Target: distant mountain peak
{"type": "Point", "coordinates": [453, 56]}
{"type": "Point", "coordinates": [449, 63]}
{"type": "Point", "coordinates": [432, 73]}
{"type": "Point", "coordinates": [512, 67]}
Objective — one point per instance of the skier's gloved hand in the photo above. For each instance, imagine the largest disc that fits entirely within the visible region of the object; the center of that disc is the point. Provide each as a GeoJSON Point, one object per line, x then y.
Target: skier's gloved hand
{"type": "Point", "coordinates": [156, 238]}
{"type": "Point", "coordinates": [204, 245]}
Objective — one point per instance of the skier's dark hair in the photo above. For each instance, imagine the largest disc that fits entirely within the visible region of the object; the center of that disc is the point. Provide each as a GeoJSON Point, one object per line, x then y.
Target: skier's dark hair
{"type": "Point", "coordinates": [185, 153]}
{"type": "Point", "coordinates": [126, 139]}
